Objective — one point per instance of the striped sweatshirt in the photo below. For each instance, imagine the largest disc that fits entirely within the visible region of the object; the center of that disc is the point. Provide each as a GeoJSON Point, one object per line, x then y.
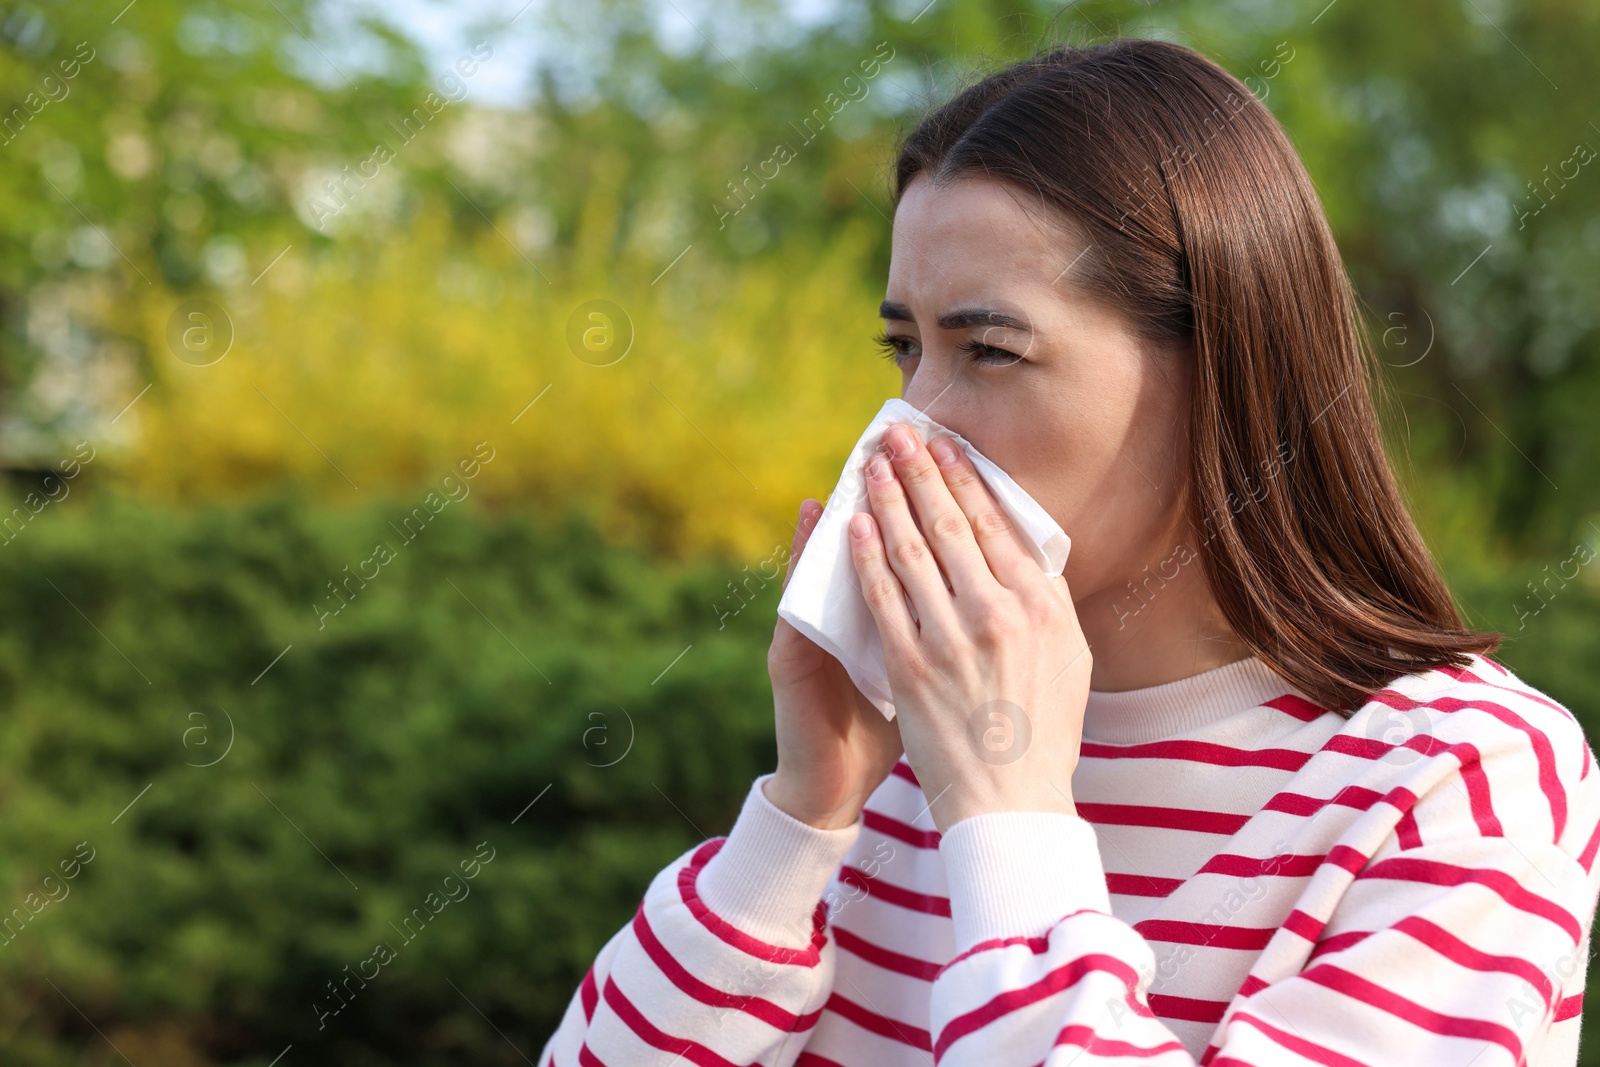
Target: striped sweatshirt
{"type": "Point", "coordinates": [1249, 880]}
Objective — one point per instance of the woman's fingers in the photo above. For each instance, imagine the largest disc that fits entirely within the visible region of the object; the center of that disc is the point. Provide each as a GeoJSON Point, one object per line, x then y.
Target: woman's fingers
{"type": "Point", "coordinates": [881, 589]}
{"type": "Point", "coordinates": [906, 551]}
{"type": "Point", "coordinates": [995, 535]}
{"type": "Point", "coordinates": [945, 530]}
{"type": "Point", "coordinates": [810, 511]}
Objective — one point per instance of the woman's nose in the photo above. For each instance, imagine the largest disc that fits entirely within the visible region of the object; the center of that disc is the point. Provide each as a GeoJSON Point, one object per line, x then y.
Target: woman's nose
{"type": "Point", "coordinates": [936, 400]}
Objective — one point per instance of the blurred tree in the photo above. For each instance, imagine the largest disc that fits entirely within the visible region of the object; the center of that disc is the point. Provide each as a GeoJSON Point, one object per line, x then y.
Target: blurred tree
{"type": "Point", "coordinates": [159, 148]}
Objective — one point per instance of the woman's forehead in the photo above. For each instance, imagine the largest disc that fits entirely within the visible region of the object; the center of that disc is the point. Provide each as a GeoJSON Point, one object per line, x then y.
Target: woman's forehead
{"type": "Point", "coordinates": [972, 243]}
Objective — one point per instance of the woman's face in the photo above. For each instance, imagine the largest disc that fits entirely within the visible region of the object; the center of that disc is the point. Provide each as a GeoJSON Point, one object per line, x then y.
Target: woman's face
{"type": "Point", "coordinates": [1088, 419]}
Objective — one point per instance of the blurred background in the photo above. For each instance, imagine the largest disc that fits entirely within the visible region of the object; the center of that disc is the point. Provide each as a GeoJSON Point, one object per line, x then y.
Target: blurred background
{"type": "Point", "coordinates": [404, 412]}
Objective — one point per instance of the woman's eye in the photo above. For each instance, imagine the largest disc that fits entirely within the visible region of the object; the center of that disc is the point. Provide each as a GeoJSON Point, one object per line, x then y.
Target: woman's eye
{"type": "Point", "coordinates": [989, 355]}
{"type": "Point", "coordinates": [900, 349]}
{"type": "Point", "coordinates": [896, 349]}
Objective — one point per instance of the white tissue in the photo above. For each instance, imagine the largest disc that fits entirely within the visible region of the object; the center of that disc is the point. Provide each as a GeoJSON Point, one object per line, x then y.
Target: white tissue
{"type": "Point", "coordinates": [823, 599]}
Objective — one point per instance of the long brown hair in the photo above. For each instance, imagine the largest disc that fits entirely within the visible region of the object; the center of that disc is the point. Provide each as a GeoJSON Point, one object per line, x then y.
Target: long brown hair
{"type": "Point", "coordinates": [1203, 227]}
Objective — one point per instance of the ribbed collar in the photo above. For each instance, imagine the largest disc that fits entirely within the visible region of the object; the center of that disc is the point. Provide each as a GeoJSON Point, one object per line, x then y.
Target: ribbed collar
{"type": "Point", "coordinates": [1134, 716]}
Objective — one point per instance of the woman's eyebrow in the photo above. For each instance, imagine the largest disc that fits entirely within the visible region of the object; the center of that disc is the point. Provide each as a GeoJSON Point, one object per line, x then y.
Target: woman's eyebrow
{"type": "Point", "coordinates": [962, 319]}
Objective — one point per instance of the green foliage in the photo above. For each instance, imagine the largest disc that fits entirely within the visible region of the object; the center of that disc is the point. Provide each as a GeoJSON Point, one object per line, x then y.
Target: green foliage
{"type": "Point", "coordinates": [494, 661]}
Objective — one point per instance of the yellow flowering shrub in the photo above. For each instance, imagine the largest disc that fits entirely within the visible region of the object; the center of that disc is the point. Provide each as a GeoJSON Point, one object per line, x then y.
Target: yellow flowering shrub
{"type": "Point", "coordinates": [363, 369]}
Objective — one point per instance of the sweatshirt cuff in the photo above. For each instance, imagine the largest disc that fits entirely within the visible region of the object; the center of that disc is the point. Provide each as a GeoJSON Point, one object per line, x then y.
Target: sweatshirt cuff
{"type": "Point", "coordinates": [1018, 873]}
{"type": "Point", "coordinates": [768, 877]}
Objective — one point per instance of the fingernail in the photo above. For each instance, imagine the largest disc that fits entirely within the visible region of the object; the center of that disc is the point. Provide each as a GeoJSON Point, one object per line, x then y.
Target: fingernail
{"type": "Point", "coordinates": [899, 440]}
{"type": "Point", "coordinates": [944, 451]}
{"type": "Point", "coordinates": [878, 468]}
{"type": "Point", "coordinates": [860, 526]}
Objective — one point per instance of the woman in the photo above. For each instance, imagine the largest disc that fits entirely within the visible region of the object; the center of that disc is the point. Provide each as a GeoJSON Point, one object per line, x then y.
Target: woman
{"type": "Point", "coordinates": [1239, 787]}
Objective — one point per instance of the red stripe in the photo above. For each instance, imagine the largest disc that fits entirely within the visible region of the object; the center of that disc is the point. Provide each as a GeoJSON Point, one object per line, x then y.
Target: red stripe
{"type": "Point", "coordinates": [1401, 799]}
{"type": "Point", "coordinates": [1478, 794]}
{"type": "Point", "coordinates": [1465, 955]}
{"type": "Point", "coordinates": [1307, 926]}
{"type": "Point", "coordinates": [1189, 819]}
{"type": "Point", "coordinates": [1140, 885]}
{"type": "Point", "coordinates": [590, 994]}
{"type": "Point", "coordinates": [1037, 945]}
{"type": "Point", "coordinates": [1348, 858]}
{"type": "Point", "coordinates": [1064, 977]}
{"type": "Point", "coordinates": [1339, 942]}
{"type": "Point", "coordinates": [647, 1032]}
{"type": "Point", "coordinates": [1283, 865]}
{"type": "Point", "coordinates": [587, 1058]}
{"type": "Point", "coordinates": [1350, 796]}
{"type": "Point", "coordinates": [881, 1025]}
{"type": "Point", "coordinates": [1570, 1006]}
{"type": "Point", "coordinates": [1297, 706]}
{"type": "Point", "coordinates": [726, 931]}
{"type": "Point", "coordinates": [679, 976]}
{"type": "Point", "coordinates": [1311, 1051]}
{"type": "Point", "coordinates": [1377, 750]}
{"type": "Point", "coordinates": [1181, 932]}
{"type": "Point", "coordinates": [1407, 831]}
{"type": "Point", "coordinates": [1495, 665]}
{"type": "Point", "coordinates": [1296, 803]}
{"type": "Point", "coordinates": [882, 957]}
{"type": "Point", "coordinates": [811, 1059]}
{"type": "Point", "coordinates": [1207, 753]}
{"type": "Point", "coordinates": [1587, 857]}
{"type": "Point", "coordinates": [1462, 674]}
{"type": "Point", "coordinates": [1358, 988]}
{"type": "Point", "coordinates": [890, 893]}
{"type": "Point", "coordinates": [1189, 1009]}
{"type": "Point", "coordinates": [1451, 948]}
{"type": "Point", "coordinates": [903, 770]}
{"type": "Point", "coordinates": [1085, 1037]}
{"type": "Point", "coordinates": [890, 827]}
{"type": "Point", "coordinates": [1432, 872]}
{"type": "Point", "coordinates": [1249, 987]}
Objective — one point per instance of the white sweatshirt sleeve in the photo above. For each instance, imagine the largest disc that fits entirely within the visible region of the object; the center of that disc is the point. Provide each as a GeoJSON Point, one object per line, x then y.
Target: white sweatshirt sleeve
{"type": "Point", "coordinates": [728, 959]}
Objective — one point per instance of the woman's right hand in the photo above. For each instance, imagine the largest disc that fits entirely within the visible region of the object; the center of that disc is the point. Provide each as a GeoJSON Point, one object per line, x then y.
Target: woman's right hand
{"type": "Point", "coordinates": [834, 746]}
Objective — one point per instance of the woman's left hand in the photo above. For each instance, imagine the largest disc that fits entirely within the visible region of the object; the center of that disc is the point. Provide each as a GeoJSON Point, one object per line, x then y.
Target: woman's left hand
{"type": "Point", "coordinates": [991, 677]}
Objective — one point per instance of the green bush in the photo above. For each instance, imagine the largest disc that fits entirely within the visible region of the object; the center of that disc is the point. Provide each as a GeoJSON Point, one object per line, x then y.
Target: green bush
{"type": "Point", "coordinates": [492, 657]}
